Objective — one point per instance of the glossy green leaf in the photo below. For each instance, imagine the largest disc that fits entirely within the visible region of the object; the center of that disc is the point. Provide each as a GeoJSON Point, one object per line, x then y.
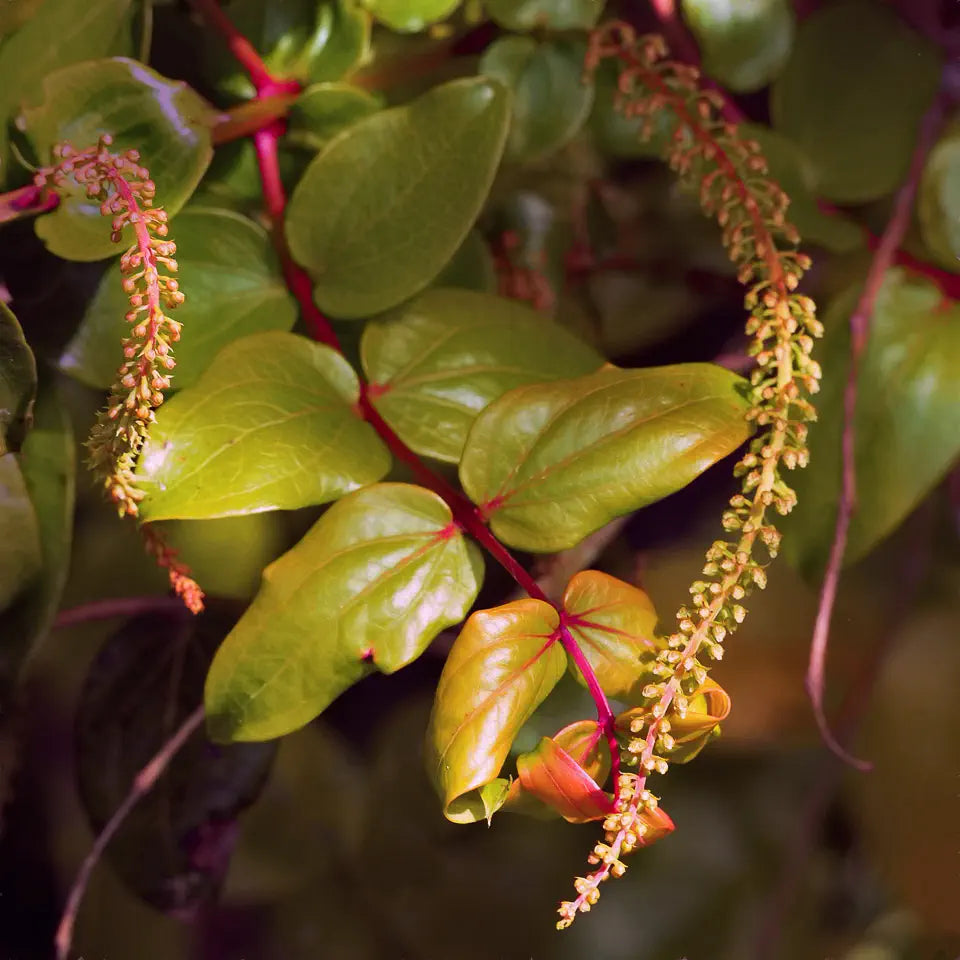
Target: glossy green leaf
{"type": "Point", "coordinates": [852, 96]}
{"type": "Point", "coordinates": [164, 119]}
{"type": "Point", "coordinates": [311, 41]}
{"type": "Point", "coordinates": [551, 14]}
{"type": "Point", "coordinates": [501, 667]}
{"type": "Point", "coordinates": [20, 560]}
{"type": "Point", "coordinates": [324, 109]}
{"type": "Point", "coordinates": [270, 425]}
{"type": "Point", "coordinates": [555, 778]}
{"type": "Point", "coordinates": [65, 32]}
{"type": "Point", "coordinates": [18, 382]}
{"type": "Point", "coordinates": [744, 44]}
{"type": "Point", "coordinates": [613, 623]}
{"type": "Point", "coordinates": [550, 463]}
{"type": "Point", "coordinates": [174, 848]}
{"type": "Point", "coordinates": [907, 429]}
{"type": "Point", "coordinates": [383, 208]}
{"type": "Point", "coordinates": [410, 16]}
{"type": "Point", "coordinates": [233, 285]}
{"type": "Point", "coordinates": [471, 267]}
{"type": "Point", "coordinates": [938, 203]}
{"type": "Point", "coordinates": [48, 473]}
{"type": "Point", "coordinates": [793, 172]}
{"type": "Point", "coordinates": [437, 361]}
{"type": "Point", "coordinates": [374, 581]}
{"type": "Point", "coordinates": [550, 98]}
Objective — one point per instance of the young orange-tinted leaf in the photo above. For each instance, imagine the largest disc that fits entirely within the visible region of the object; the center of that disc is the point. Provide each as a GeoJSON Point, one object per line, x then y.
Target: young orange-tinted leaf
{"type": "Point", "coordinates": [501, 667]}
{"type": "Point", "coordinates": [374, 581]}
{"type": "Point", "coordinates": [613, 623]}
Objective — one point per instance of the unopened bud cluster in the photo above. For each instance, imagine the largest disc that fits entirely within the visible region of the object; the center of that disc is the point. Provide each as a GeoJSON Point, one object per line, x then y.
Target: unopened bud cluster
{"type": "Point", "coordinates": [125, 192]}
{"type": "Point", "coordinates": [729, 175]}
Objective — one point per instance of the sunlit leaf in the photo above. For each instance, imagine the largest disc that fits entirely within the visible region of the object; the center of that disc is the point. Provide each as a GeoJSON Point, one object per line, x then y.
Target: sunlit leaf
{"type": "Point", "coordinates": [382, 209]}
{"type": "Point", "coordinates": [437, 361]}
{"type": "Point", "coordinates": [164, 119]}
{"type": "Point", "coordinates": [552, 14]}
{"type": "Point", "coordinates": [744, 44]}
{"type": "Point", "coordinates": [373, 582]}
{"type": "Point", "coordinates": [550, 99]}
{"type": "Point", "coordinates": [270, 425]}
{"type": "Point", "coordinates": [613, 623]}
{"type": "Point", "coordinates": [410, 15]}
{"type": "Point", "coordinates": [503, 664]}
{"type": "Point", "coordinates": [18, 382]}
{"type": "Point", "coordinates": [174, 847]}
{"type": "Point", "coordinates": [857, 127]}
{"type": "Point", "coordinates": [234, 288]}
{"type": "Point", "coordinates": [550, 463]}
{"type": "Point", "coordinates": [906, 429]}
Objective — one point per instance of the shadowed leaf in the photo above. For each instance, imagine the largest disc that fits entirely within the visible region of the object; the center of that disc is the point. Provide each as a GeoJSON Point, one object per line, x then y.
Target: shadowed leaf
{"type": "Point", "coordinates": [18, 382]}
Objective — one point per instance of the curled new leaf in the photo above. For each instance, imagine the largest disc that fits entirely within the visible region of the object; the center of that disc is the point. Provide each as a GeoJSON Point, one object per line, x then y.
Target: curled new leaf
{"type": "Point", "coordinates": [501, 667]}
{"type": "Point", "coordinates": [550, 463]}
{"type": "Point", "coordinates": [374, 581]}
{"type": "Point", "coordinates": [270, 425]}
{"type": "Point", "coordinates": [613, 623]}
{"type": "Point", "coordinates": [436, 362]}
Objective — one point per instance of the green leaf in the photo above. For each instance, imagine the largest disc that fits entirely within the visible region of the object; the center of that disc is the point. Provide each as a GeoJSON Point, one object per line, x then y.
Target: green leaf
{"type": "Point", "coordinates": [613, 623]}
{"type": "Point", "coordinates": [550, 463]}
{"type": "Point", "coordinates": [270, 425]}
{"type": "Point", "coordinates": [550, 14]}
{"type": "Point", "coordinates": [374, 581]}
{"type": "Point", "coordinates": [15, 13]}
{"type": "Point", "coordinates": [174, 848]}
{"type": "Point", "coordinates": [852, 96]}
{"type": "Point", "coordinates": [62, 32]}
{"type": "Point", "coordinates": [164, 119]}
{"type": "Point", "coordinates": [383, 208]}
{"type": "Point", "coordinates": [502, 666]}
{"type": "Point", "coordinates": [18, 382]}
{"type": "Point", "coordinates": [906, 429]}
{"type": "Point", "coordinates": [48, 473]}
{"type": "Point", "coordinates": [324, 109]}
{"type": "Point", "coordinates": [233, 286]}
{"type": "Point", "coordinates": [437, 361]}
{"type": "Point", "coordinates": [19, 532]}
{"type": "Point", "coordinates": [938, 205]}
{"type": "Point", "coordinates": [410, 16]}
{"type": "Point", "coordinates": [306, 40]}
{"type": "Point", "coordinates": [471, 267]}
{"type": "Point", "coordinates": [793, 172]}
{"type": "Point", "coordinates": [551, 99]}
{"type": "Point", "coordinates": [744, 44]}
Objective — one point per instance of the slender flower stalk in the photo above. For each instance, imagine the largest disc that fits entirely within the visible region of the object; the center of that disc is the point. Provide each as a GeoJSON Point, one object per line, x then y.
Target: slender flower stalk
{"type": "Point", "coordinates": [729, 175]}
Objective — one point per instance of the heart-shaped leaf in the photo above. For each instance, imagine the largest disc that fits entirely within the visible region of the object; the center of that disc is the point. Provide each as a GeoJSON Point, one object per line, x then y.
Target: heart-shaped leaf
{"type": "Point", "coordinates": [436, 362]}
{"type": "Point", "coordinates": [410, 16]}
{"type": "Point", "coordinates": [380, 211]}
{"type": "Point", "coordinates": [549, 14]}
{"type": "Point", "coordinates": [554, 777]}
{"type": "Point", "coordinates": [744, 45]}
{"type": "Point", "coordinates": [613, 623]}
{"type": "Point", "coordinates": [501, 667]}
{"type": "Point", "coordinates": [551, 100]}
{"type": "Point", "coordinates": [62, 35]}
{"type": "Point", "coordinates": [857, 127]}
{"type": "Point", "coordinates": [18, 382]}
{"type": "Point", "coordinates": [164, 119]}
{"type": "Point", "coordinates": [174, 848]}
{"type": "Point", "coordinates": [374, 581]}
{"type": "Point", "coordinates": [20, 556]}
{"type": "Point", "coordinates": [270, 425]}
{"type": "Point", "coordinates": [48, 472]}
{"type": "Point", "coordinates": [550, 463]}
{"type": "Point", "coordinates": [234, 288]}
{"type": "Point", "coordinates": [907, 433]}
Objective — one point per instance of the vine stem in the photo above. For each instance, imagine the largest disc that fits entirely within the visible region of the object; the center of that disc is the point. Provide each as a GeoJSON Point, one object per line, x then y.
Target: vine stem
{"type": "Point", "coordinates": [465, 514]}
{"type": "Point", "coordinates": [117, 607]}
{"type": "Point", "coordinates": [860, 321]}
{"type": "Point", "coordinates": [143, 783]}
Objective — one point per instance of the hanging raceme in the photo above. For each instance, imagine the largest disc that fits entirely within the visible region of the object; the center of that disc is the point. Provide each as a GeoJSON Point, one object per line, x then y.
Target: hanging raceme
{"type": "Point", "coordinates": [728, 174]}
